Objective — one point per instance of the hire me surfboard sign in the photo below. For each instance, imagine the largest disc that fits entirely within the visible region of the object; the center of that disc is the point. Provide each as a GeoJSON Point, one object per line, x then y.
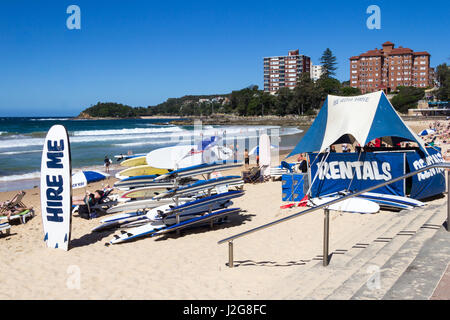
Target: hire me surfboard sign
{"type": "Point", "coordinates": [56, 191]}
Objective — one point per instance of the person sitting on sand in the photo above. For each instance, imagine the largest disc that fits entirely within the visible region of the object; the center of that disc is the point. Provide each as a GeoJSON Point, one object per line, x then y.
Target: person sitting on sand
{"type": "Point", "coordinates": [90, 198]}
{"type": "Point", "coordinates": [13, 206]}
{"type": "Point", "coordinates": [13, 211]}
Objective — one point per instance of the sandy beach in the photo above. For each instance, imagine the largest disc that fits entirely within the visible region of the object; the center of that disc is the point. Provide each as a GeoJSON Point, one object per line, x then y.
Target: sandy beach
{"type": "Point", "coordinates": [189, 266]}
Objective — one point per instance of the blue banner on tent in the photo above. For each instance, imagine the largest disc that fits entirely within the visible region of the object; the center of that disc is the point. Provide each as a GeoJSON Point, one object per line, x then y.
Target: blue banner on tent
{"type": "Point", "coordinates": [430, 182]}
{"type": "Point", "coordinates": [356, 171]}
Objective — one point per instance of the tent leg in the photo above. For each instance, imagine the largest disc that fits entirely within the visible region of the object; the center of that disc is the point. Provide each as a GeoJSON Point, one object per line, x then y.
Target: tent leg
{"type": "Point", "coordinates": [448, 200]}
{"type": "Point", "coordinates": [326, 235]}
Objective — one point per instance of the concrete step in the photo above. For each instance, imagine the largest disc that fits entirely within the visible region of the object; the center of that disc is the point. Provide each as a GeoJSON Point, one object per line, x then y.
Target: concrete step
{"type": "Point", "coordinates": [399, 262]}
{"type": "Point", "coordinates": [422, 275]}
{"type": "Point", "coordinates": [343, 266]}
{"type": "Point", "coordinates": [345, 240]}
{"type": "Point", "coordinates": [307, 278]}
{"type": "Point", "coordinates": [362, 272]}
{"type": "Point", "coordinates": [420, 279]}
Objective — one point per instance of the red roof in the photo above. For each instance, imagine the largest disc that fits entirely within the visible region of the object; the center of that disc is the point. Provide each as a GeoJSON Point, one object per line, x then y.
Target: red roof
{"type": "Point", "coordinates": [372, 53]}
{"type": "Point", "coordinates": [401, 51]}
{"type": "Point", "coordinates": [421, 53]}
{"type": "Point", "coordinates": [381, 52]}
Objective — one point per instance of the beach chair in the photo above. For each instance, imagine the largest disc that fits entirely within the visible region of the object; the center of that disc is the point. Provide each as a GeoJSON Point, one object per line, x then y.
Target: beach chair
{"type": "Point", "coordinates": [14, 203]}
{"type": "Point", "coordinates": [106, 201]}
{"type": "Point", "coordinates": [22, 216]}
{"type": "Point", "coordinates": [89, 211]}
{"type": "Point", "coordinates": [17, 209]}
{"type": "Point", "coordinates": [254, 176]}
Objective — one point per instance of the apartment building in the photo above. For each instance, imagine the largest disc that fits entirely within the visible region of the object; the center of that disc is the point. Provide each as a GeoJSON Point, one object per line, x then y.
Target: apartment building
{"type": "Point", "coordinates": [389, 67]}
{"type": "Point", "coordinates": [284, 71]}
{"type": "Point", "coordinates": [316, 72]}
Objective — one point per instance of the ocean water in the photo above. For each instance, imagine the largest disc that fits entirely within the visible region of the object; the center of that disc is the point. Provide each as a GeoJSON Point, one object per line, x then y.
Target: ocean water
{"type": "Point", "coordinates": [21, 141]}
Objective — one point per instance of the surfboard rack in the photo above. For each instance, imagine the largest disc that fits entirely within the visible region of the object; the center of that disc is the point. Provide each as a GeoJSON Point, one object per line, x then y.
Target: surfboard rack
{"type": "Point", "coordinates": [442, 165]}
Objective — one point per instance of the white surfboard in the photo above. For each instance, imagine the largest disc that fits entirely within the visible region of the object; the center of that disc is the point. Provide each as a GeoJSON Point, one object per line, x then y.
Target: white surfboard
{"type": "Point", "coordinates": [167, 158]}
{"type": "Point", "coordinates": [177, 157]}
{"type": "Point", "coordinates": [142, 193]}
{"type": "Point", "coordinates": [264, 154]}
{"type": "Point", "coordinates": [142, 204]}
{"type": "Point", "coordinates": [357, 205]}
{"type": "Point", "coordinates": [56, 188]}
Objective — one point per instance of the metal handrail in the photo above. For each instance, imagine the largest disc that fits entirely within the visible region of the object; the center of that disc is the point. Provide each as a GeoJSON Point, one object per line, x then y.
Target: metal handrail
{"type": "Point", "coordinates": [444, 165]}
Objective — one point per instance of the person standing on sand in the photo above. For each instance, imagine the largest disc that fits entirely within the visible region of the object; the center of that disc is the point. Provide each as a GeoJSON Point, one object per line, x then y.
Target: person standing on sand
{"type": "Point", "coordinates": [107, 163]}
{"type": "Point", "coordinates": [246, 158]}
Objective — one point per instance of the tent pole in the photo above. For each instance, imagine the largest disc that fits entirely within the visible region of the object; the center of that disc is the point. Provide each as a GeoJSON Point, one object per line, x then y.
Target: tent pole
{"type": "Point", "coordinates": [448, 200]}
{"type": "Point", "coordinates": [326, 235]}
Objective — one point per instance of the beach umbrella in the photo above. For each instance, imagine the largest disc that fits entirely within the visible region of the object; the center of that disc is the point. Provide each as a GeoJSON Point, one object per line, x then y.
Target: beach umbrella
{"type": "Point", "coordinates": [426, 132]}
{"type": "Point", "coordinates": [255, 151]}
{"type": "Point", "coordinates": [82, 178]}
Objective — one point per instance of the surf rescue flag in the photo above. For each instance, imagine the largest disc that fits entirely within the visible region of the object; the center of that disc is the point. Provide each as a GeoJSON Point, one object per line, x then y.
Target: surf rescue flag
{"type": "Point", "coordinates": [56, 191]}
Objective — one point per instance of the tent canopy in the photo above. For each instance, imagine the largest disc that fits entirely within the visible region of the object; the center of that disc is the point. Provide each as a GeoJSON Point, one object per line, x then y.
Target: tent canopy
{"type": "Point", "coordinates": [365, 117]}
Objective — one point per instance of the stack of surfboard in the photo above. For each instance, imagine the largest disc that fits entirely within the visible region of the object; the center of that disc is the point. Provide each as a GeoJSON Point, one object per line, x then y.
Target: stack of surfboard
{"type": "Point", "coordinates": [150, 191]}
{"type": "Point", "coordinates": [163, 218]}
{"type": "Point", "coordinates": [163, 204]}
{"type": "Point", "coordinates": [162, 192]}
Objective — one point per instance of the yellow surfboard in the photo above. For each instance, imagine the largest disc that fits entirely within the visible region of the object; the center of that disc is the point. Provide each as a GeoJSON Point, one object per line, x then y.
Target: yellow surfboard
{"type": "Point", "coordinates": [133, 162]}
{"type": "Point", "coordinates": [141, 171]}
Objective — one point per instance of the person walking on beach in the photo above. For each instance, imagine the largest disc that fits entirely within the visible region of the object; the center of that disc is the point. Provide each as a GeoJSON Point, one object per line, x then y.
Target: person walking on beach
{"type": "Point", "coordinates": [107, 163]}
{"type": "Point", "coordinates": [246, 158]}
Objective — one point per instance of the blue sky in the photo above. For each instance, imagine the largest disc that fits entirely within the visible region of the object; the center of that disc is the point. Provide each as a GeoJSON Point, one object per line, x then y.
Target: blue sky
{"type": "Point", "coordinates": [142, 52]}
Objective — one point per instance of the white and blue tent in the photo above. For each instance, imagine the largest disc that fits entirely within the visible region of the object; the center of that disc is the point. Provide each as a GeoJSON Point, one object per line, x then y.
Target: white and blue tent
{"type": "Point", "coordinates": [365, 117]}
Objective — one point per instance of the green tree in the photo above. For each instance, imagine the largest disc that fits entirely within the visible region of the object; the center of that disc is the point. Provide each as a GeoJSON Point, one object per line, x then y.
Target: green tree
{"type": "Point", "coordinates": [350, 91]}
{"type": "Point", "coordinates": [328, 85]}
{"type": "Point", "coordinates": [284, 97]}
{"type": "Point", "coordinates": [306, 96]}
{"type": "Point", "coordinates": [443, 77]}
{"type": "Point", "coordinates": [328, 62]}
{"type": "Point", "coordinates": [407, 98]}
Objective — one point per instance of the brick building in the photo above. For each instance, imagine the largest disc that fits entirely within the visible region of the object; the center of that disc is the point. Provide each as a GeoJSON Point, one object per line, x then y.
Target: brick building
{"type": "Point", "coordinates": [284, 71]}
{"type": "Point", "coordinates": [389, 67]}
